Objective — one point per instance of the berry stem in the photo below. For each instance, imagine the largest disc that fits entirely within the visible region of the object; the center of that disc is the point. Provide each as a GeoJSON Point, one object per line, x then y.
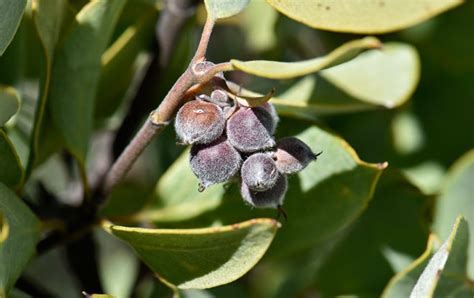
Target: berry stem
{"type": "Point", "coordinates": [162, 115]}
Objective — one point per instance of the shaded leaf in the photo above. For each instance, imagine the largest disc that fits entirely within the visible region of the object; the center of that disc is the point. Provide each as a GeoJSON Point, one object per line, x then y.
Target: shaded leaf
{"type": "Point", "coordinates": [201, 258]}
{"type": "Point", "coordinates": [119, 63]}
{"type": "Point", "coordinates": [437, 274]}
{"type": "Point", "coordinates": [387, 77]}
{"type": "Point", "coordinates": [11, 172]}
{"type": "Point", "coordinates": [219, 9]}
{"type": "Point", "coordinates": [363, 16]}
{"type": "Point", "coordinates": [11, 12]}
{"type": "Point", "coordinates": [49, 17]}
{"type": "Point", "coordinates": [20, 244]}
{"type": "Point", "coordinates": [287, 70]}
{"type": "Point", "coordinates": [9, 103]}
{"type": "Point", "coordinates": [457, 198]}
{"type": "Point", "coordinates": [76, 70]}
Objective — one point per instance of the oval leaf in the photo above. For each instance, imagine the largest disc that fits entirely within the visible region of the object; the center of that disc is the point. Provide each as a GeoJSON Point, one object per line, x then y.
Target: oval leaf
{"type": "Point", "coordinates": [11, 12]}
{"type": "Point", "coordinates": [288, 70]}
{"type": "Point", "coordinates": [457, 198]}
{"type": "Point", "coordinates": [20, 244]}
{"type": "Point", "coordinates": [11, 171]}
{"type": "Point", "coordinates": [386, 77]}
{"type": "Point", "coordinates": [9, 103]}
{"type": "Point", "coordinates": [201, 258]}
{"type": "Point", "coordinates": [219, 9]}
{"type": "Point", "coordinates": [76, 71]}
{"type": "Point", "coordinates": [363, 16]}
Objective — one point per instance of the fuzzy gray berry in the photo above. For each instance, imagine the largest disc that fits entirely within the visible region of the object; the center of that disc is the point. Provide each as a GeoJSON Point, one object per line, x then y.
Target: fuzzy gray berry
{"type": "Point", "coordinates": [199, 122]}
{"type": "Point", "coordinates": [250, 129]}
{"type": "Point", "coordinates": [271, 198]}
{"type": "Point", "coordinates": [215, 162]}
{"type": "Point", "coordinates": [259, 172]}
{"type": "Point", "coordinates": [292, 155]}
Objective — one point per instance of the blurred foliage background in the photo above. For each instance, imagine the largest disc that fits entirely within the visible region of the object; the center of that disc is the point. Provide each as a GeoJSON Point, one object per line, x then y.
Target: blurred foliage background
{"type": "Point", "coordinates": [352, 226]}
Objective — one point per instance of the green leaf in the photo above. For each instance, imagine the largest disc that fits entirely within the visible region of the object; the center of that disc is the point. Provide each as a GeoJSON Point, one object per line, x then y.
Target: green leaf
{"type": "Point", "coordinates": [287, 70]}
{"type": "Point", "coordinates": [363, 16]}
{"type": "Point", "coordinates": [9, 103]}
{"type": "Point", "coordinates": [11, 172]}
{"type": "Point", "coordinates": [387, 77]}
{"type": "Point", "coordinates": [11, 12]}
{"type": "Point", "coordinates": [4, 228]}
{"type": "Point", "coordinates": [201, 258]}
{"type": "Point", "coordinates": [18, 248]}
{"type": "Point", "coordinates": [76, 71]}
{"type": "Point", "coordinates": [437, 274]}
{"type": "Point", "coordinates": [220, 9]}
{"type": "Point", "coordinates": [49, 18]}
{"type": "Point", "coordinates": [360, 249]}
{"type": "Point", "coordinates": [119, 63]}
{"type": "Point", "coordinates": [457, 198]}
{"type": "Point", "coordinates": [327, 196]}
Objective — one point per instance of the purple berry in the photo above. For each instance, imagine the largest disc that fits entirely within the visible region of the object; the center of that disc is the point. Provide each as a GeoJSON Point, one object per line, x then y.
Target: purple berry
{"type": "Point", "coordinates": [259, 172]}
{"type": "Point", "coordinates": [271, 198]}
{"type": "Point", "coordinates": [271, 109]}
{"type": "Point", "coordinates": [292, 155]}
{"type": "Point", "coordinates": [199, 122]}
{"type": "Point", "coordinates": [214, 163]}
{"type": "Point", "coordinates": [250, 129]}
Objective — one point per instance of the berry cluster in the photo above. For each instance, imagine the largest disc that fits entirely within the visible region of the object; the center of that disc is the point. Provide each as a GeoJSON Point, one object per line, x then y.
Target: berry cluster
{"type": "Point", "coordinates": [228, 138]}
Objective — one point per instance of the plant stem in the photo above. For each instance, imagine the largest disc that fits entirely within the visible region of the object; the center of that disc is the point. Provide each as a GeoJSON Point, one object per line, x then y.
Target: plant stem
{"type": "Point", "coordinates": [163, 114]}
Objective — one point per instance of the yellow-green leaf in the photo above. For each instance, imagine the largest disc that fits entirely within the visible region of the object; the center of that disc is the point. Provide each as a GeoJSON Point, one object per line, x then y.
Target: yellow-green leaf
{"type": "Point", "coordinates": [457, 197]}
{"type": "Point", "coordinates": [200, 258]}
{"type": "Point", "coordinates": [386, 77]}
{"type": "Point", "coordinates": [440, 273]}
{"type": "Point", "coordinates": [11, 12]}
{"type": "Point", "coordinates": [287, 70]}
{"type": "Point", "coordinates": [19, 246]}
{"type": "Point", "coordinates": [362, 16]}
{"type": "Point", "coordinates": [219, 9]}
{"type": "Point", "coordinates": [9, 103]}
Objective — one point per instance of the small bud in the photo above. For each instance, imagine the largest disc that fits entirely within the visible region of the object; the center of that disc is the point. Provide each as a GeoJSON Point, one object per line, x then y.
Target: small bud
{"type": "Point", "coordinates": [271, 198]}
{"type": "Point", "coordinates": [250, 129]}
{"type": "Point", "coordinates": [199, 122]}
{"type": "Point", "coordinates": [259, 172]}
{"type": "Point", "coordinates": [293, 155]}
{"type": "Point", "coordinates": [214, 163]}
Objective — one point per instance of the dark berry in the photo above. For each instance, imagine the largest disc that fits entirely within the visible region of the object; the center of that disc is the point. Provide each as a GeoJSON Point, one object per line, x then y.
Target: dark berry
{"type": "Point", "coordinates": [271, 109]}
{"type": "Point", "coordinates": [292, 155]}
{"type": "Point", "coordinates": [199, 122]}
{"type": "Point", "coordinates": [271, 198]}
{"type": "Point", "coordinates": [214, 163]}
{"type": "Point", "coordinates": [259, 172]}
{"type": "Point", "coordinates": [250, 129]}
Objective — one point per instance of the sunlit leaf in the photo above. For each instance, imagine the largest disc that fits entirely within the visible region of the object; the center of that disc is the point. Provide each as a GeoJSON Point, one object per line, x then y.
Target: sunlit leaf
{"type": "Point", "coordinates": [76, 70]}
{"type": "Point", "coordinates": [11, 12]}
{"type": "Point", "coordinates": [457, 197]}
{"type": "Point", "coordinates": [219, 9]}
{"type": "Point", "coordinates": [201, 258]}
{"type": "Point", "coordinates": [440, 273]}
{"type": "Point", "coordinates": [287, 70]}
{"type": "Point", "coordinates": [387, 77]}
{"type": "Point", "coordinates": [363, 16]}
{"type": "Point", "coordinates": [9, 103]}
{"type": "Point", "coordinates": [20, 244]}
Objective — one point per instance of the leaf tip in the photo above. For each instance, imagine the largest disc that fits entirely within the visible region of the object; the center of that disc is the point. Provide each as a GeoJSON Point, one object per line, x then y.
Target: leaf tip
{"type": "Point", "coordinates": [382, 165]}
